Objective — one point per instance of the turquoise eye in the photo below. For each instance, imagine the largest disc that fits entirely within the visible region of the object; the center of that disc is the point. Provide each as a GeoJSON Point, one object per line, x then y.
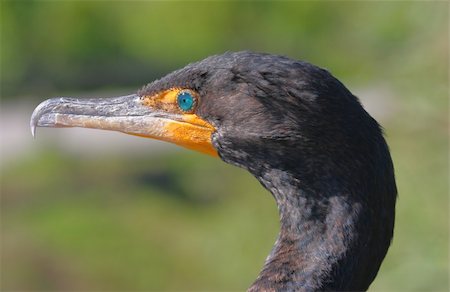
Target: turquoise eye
{"type": "Point", "coordinates": [185, 101]}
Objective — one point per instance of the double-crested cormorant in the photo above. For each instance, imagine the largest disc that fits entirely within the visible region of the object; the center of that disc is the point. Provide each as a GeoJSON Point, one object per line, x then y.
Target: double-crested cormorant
{"type": "Point", "coordinates": [298, 130]}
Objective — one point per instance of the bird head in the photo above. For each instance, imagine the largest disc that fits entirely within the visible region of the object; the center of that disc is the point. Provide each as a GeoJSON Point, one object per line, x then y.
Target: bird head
{"type": "Point", "coordinates": [241, 106]}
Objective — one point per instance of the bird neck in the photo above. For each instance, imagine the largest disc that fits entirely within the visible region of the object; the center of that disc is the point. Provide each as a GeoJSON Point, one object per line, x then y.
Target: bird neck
{"type": "Point", "coordinates": [318, 247]}
{"type": "Point", "coordinates": [336, 205]}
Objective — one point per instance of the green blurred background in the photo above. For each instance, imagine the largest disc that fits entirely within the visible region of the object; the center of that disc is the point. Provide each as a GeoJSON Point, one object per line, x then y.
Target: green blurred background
{"type": "Point", "coordinates": [89, 210]}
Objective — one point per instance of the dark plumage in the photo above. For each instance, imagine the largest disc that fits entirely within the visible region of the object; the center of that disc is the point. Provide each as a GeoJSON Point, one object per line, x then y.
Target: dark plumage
{"type": "Point", "coordinates": [309, 141]}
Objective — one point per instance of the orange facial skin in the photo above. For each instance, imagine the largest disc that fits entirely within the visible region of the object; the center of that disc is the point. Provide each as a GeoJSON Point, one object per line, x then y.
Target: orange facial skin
{"type": "Point", "coordinates": [188, 130]}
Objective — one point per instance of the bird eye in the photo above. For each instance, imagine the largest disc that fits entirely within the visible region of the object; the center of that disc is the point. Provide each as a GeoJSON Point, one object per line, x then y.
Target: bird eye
{"type": "Point", "coordinates": [185, 101]}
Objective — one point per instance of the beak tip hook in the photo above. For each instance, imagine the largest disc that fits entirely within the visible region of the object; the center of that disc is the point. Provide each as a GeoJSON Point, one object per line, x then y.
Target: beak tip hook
{"type": "Point", "coordinates": [33, 126]}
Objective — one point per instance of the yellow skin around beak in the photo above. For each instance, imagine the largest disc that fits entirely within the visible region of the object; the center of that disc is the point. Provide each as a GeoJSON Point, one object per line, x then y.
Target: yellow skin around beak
{"type": "Point", "coordinates": [157, 117]}
{"type": "Point", "coordinates": [191, 131]}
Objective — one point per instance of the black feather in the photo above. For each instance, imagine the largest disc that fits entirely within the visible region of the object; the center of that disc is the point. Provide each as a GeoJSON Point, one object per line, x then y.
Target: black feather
{"type": "Point", "coordinates": [309, 141]}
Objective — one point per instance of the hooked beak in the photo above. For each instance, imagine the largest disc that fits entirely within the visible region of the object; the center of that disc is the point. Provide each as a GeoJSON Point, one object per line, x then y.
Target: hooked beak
{"type": "Point", "coordinates": [127, 114]}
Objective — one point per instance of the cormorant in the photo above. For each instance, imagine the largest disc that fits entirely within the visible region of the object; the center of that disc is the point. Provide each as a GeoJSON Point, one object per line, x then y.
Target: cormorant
{"type": "Point", "coordinates": [298, 130]}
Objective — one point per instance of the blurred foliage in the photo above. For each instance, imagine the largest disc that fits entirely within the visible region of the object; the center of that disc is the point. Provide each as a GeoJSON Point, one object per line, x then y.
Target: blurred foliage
{"type": "Point", "coordinates": [106, 225]}
{"type": "Point", "coordinates": [188, 222]}
{"type": "Point", "coordinates": [77, 45]}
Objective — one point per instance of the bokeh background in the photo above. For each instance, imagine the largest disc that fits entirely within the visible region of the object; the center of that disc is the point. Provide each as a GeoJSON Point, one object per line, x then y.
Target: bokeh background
{"type": "Point", "coordinates": [89, 210]}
